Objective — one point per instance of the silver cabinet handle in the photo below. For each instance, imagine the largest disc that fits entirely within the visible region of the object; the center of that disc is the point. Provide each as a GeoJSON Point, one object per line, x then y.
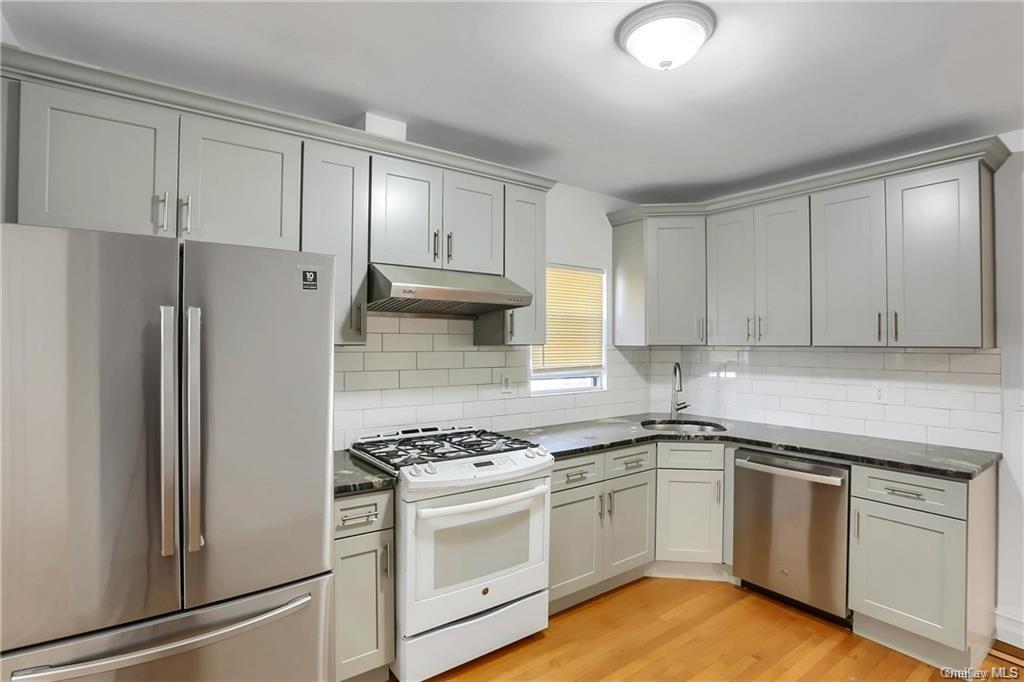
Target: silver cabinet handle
{"type": "Point", "coordinates": [511, 324]}
{"type": "Point", "coordinates": [895, 326]}
{"type": "Point", "coordinates": [186, 204]}
{"type": "Point", "coordinates": [98, 666]}
{"type": "Point", "coordinates": [168, 430]}
{"type": "Point", "coordinates": [359, 318]}
{"type": "Point", "coordinates": [718, 492]}
{"type": "Point", "coordinates": [162, 202]}
{"type": "Point", "coordinates": [748, 328]}
{"type": "Point", "coordinates": [901, 492]}
{"type": "Point", "coordinates": [611, 502]}
{"type": "Point", "coordinates": [635, 462]}
{"type": "Point", "coordinates": [449, 249]}
{"type": "Point", "coordinates": [368, 516]}
{"type": "Point", "coordinates": [600, 505]}
{"type": "Point", "coordinates": [194, 416]}
{"type": "Point", "coordinates": [760, 327]}
{"type": "Point", "coordinates": [575, 476]}
{"type": "Point", "coordinates": [878, 327]}
{"type": "Point", "coordinates": [856, 525]}
{"type": "Point", "coordinates": [387, 560]}
{"type": "Point", "coordinates": [437, 244]}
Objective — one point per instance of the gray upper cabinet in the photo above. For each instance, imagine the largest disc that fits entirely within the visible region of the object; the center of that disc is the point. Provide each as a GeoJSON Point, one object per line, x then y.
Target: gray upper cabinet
{"type": "Point", "coordinates": [848, 264]}
{"type": "Point", "coordinates": [525, 264]}
{"type": "Point", "coordinates": [474, 223]}
{"type": "Point", "coordinates": [782, 272]}
{"type": "Point", "coordinates": [731, 316]}
{"type": "Point", "coordinates": [239, 184]}
{"type": "Point", "coordinates": [335, 220]}
{"type": "Point", "coordinates": [405, 212]}
{"type": "Point", "coordinates": [935, 236]}
{"type": "Point", "coordinates": [94, 162]}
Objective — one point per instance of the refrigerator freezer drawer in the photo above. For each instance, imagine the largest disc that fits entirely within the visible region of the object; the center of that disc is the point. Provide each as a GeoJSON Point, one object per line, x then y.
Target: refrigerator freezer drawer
{"type": "Point", "coordinates": [282, 634]}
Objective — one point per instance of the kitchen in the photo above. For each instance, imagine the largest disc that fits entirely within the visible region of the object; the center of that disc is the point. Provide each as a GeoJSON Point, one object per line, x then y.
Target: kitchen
{"type": "Point", "coordinates": [338, 379]}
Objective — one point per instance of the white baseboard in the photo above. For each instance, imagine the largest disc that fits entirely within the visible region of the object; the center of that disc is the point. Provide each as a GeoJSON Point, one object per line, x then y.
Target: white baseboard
{"type": "Point", "coordinates": [1009, 629]}
{"type": "Point", "coordinates": [691, 571]}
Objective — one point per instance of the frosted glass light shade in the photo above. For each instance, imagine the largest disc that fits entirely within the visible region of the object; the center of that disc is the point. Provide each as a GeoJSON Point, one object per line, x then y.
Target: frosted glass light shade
{"type": "Point", "coordinates": [666, 35]}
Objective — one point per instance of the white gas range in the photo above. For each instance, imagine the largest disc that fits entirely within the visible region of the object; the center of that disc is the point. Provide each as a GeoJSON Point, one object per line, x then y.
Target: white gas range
{"type": "Point", "coordinates": [473, 520]}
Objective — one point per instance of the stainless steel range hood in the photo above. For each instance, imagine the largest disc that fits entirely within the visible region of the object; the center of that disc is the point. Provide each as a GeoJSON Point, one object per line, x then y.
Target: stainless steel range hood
{"type": "Point", "coordinates": [405, 289]}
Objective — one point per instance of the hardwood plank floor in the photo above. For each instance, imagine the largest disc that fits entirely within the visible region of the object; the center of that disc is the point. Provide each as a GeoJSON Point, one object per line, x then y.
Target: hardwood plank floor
{"type": "Point", "coordinates": [661, 629]}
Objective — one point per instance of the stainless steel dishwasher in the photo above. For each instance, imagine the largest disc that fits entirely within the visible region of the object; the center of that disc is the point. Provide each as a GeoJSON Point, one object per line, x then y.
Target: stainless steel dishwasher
{"type": "Point", "coordinates": [790, 528]}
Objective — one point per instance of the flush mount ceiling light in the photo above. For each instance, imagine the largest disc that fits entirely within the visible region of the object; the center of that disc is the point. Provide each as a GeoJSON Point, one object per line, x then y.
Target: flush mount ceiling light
{"type": "Point", "coordinates": [666, 34]}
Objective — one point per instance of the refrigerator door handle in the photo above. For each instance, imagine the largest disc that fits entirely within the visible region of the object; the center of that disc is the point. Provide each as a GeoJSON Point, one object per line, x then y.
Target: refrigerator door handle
{"type": "Point", "coordinates": [168, 430]}
{"type": "Point", "coordinates": [193, 412]}
{"type": "Point", "coordinates": [140, 656]}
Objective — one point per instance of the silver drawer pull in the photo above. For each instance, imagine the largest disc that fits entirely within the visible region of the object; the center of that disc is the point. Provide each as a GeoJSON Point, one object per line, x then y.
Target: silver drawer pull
{"type": "Point", "coordinates": [913, 494]}
{"type": "Point", "coordinates": [635, 462]}
{"type": "Point", "coordinates": [368, 516]}
{"type": "Point", "coordinates": [575, 476]}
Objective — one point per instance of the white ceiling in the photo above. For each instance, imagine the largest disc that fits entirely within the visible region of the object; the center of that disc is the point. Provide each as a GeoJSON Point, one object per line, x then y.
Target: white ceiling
{"type": "Point", "coordinates": [780, 90]}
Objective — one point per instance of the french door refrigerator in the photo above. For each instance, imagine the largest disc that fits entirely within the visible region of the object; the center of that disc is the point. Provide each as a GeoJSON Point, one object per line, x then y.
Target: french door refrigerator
{"type": "Point", "coordinates": [166, 459]}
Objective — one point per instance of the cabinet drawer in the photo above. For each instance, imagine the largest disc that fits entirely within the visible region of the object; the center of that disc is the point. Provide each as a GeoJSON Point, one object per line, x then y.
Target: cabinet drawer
{"type": "Point", "coordinates": [691, 456]}
{"type": "Point", "coordinates": [363, 513]}
{"type": "Point", "coordinates": [624, 461]}
{"type": "Point", "coordinates": [577, 471]}
{"type": "Point", "coordinates": [935, 495]}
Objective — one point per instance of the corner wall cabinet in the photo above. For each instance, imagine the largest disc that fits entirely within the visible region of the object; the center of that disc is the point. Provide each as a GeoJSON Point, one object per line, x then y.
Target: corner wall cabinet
{"type": "Point", "coordinates": [335, 220]}
{"type": "Point", "coordinates": [659, 280]}
{"type": "Point", "coordinates": [897, 253]}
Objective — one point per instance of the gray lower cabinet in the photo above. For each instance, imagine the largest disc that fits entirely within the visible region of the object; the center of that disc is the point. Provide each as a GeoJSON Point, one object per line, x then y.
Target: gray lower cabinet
{"type": "Point", "coordinates": [405, 212]}
{"type": "Point", "coordinates": [239, 184]}
{"type": "Point", "coordinates": [474, 223]}
{"type": "Point", "coordinates": [690, 515]}
{"type": "Point", "coordinates": [94, 162]}
{"type": "Point", "coordinates": [577, 539]}
{"type": "Point", "coordinates": [908, 568]}
{"type": "Point", "coordinates": [629, 531]}
{"type": "Point", "coordinates": [335, 215]}
{"type": "Point", "coordinates": [364, 603]}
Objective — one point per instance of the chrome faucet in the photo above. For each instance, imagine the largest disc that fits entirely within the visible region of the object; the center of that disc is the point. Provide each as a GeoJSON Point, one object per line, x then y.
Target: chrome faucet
{"type": "Point", "coordinates": [677, 386]}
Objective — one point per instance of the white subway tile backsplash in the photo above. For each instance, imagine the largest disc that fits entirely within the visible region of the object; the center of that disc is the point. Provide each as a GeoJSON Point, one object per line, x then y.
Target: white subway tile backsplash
{"type": "Point", "coordinates": [856, 360]}
{"type": "Point", "coordinates": [406, 397]}
{"type": "Point", "coordinates": [926, 416]}
{"type": "Point", "coordinates": [960, 400]}
{"type": "Point", "coordinates": [422, 325]}
{"type": "Point", "coordinates": [962, 438]}
{"type": "Point", "coordinates": [389, 415]}
{"type": "Point", "coordinates": [838, 424]}
{"type": "Point", "coordinates": [841, 408]}
{"type": "Point", "coordinates": [462, 377]}
{"type": "Point", "coordinates": [379, 361]}
{"type": "Point", "coordinates": [416, 378]}
{"type": "Point", "coordinates": [460, 326]}
{"type": "Point", "coordinates": [976, 421]}
{"type": "Point", "coordinates": [880, 429]}
{"type": "Point", "coordinates": [485, 359]}
{"type": "Point", "coordinates": [439, 360]}
{"type": "Point", "coordinates": [804, 405]}
{"type": "Point", "coordinates": [823, 391]}
{"type": "Point", "coordinates": [356, 400]}
{"type": "Point", "coordinates": [348, 362]}
{"type": "Point", "coordinates": [407, 342]}
{"type": "Point", "coordinates": [988, 402]}
{"type": "Point", "coordinates": [794, 419]}
{"type": "Point", "coordinates": [378, 324]}
{"type": "Point", "coordinates": [453, 342]}
{"type": "Point", "coordinates": [975, 362]}
{"type": "Point", "coordinates": [361, 381]}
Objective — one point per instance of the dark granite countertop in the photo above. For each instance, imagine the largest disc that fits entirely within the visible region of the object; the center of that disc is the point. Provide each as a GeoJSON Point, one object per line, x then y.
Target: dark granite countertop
{"type": "Point", "coordinates": [352, 476]}
{"type": "Point", "coordinates": [566, 440]}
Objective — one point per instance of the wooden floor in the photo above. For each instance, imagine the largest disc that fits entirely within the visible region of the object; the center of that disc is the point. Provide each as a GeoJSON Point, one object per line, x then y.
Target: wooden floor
{"type": "Point", "coordinates": [661, 629]}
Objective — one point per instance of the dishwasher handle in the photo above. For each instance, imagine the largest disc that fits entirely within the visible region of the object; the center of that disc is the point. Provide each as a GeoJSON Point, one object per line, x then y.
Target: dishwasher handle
{"type": "Point", "coordinates": [792, 473]}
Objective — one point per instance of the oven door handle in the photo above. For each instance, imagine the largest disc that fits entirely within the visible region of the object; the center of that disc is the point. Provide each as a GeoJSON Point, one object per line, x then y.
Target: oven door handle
{"type": "Point", "coordinates": [436, 512]}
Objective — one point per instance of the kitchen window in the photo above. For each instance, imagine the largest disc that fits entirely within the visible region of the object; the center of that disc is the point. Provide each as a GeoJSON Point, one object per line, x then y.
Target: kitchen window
{"type": "Point", "coordinates": [572, 360]}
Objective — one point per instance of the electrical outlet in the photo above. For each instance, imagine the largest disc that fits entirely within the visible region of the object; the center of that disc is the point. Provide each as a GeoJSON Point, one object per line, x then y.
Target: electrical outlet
{"type": "Point", "coordinates": [505, 383]}
{"type": "Point", "coordinates": [879, 392]}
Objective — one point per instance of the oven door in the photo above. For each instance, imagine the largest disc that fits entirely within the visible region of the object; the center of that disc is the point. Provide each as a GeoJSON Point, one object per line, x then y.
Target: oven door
{"type": "Point", "coordinates": [473, 551]}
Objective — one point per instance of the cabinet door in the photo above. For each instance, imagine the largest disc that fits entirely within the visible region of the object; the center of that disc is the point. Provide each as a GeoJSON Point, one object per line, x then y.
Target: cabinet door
{"type": "Point", "coordinates": [629, 533]}
{"type": "Point", "coordinates": [405, 212]}
{"type": "Point", "coordinates": [364, 603]}
{"type": "Point", "coordinates": [782, 272]}
{"type": "Point", "coordinates": [335, 220]}
{"type": "Point", "coordinates": [933, 236]}
{"type": "Point", "coordinates": [97, 163]}
{"type": "Point", "coordinates": [239, 184]}
{"type": "Point", "coordinates": [577, 539]}
{"type": "Point", "coordinates": [474, 223]}
{"type": "Point", "coordinates": [908, 569]}
{"type": "Point", "coordinates": [526, 263]}
{"type": "Point", "coordinates": [676, 282]}
{"type": "Point", "coordinates": [690, 510]}
{"type": "Point", "coordinates": [731, 278]}
{"type": "Point", "coordinates": [848, 265]}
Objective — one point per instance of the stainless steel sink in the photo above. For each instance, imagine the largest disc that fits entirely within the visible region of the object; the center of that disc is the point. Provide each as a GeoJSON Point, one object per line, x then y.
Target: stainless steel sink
{"type": "Point", "coordinates": [682, 425]}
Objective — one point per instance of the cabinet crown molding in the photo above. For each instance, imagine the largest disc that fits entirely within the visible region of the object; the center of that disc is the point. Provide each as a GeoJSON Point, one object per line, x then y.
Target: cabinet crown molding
{"type": "Point", "coordinates": [21, 65]}
{"type": "Point", "coordinates": [989, 150]}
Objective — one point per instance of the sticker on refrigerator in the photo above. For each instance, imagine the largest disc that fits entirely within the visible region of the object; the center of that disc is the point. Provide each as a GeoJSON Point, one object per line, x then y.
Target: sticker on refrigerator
{"type": "Point", "coordinates": [309, 279]}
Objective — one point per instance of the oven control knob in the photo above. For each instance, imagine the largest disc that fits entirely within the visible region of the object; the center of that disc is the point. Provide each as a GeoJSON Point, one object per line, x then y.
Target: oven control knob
{"type": "Point", "coordinates": [431, 469]}
{"type": "Point", "coordinates": [415, 470]}
{"type": "Point", "coordinates": [530, 454]}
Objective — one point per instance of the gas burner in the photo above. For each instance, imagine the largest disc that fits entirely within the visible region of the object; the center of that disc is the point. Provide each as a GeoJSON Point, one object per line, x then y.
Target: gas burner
{"type": "Point", "coordinates": [392, 451]}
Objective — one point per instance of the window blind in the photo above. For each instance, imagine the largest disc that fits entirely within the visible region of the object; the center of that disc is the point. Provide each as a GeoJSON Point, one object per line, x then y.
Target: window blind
{"type": "Point", "coordinates": [575, 316]}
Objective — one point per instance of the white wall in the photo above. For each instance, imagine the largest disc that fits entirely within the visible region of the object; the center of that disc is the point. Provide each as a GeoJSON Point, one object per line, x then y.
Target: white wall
{"type": "Point", "coordinates": [1009, 188]}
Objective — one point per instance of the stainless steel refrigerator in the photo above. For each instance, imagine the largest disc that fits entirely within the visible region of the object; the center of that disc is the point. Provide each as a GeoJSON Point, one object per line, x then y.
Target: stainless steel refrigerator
{"type": "Point", "coordinates": [166, 459]}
